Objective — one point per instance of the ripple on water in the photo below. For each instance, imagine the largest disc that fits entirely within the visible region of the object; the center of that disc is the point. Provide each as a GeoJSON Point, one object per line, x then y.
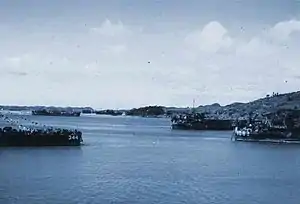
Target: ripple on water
{"type": "Point", "coordinates": [132, 160]}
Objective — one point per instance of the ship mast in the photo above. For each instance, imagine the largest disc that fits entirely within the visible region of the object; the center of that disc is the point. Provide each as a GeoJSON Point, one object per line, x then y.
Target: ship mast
{"type": "Point", "coordinates": [193, 109]}
{"type": "Point", "coordinates": [193, 103]}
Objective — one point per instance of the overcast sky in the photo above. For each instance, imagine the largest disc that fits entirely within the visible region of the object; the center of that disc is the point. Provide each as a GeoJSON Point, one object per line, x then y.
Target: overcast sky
{"type": "Point", "coordinates": [97, 53]}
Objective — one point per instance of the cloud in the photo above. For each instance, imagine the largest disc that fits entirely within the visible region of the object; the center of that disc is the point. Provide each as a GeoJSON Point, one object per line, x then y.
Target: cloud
{"type": "Point", "coordinates": [17, 65]}
{"type": "Point", "coordinates": [18, 73]}
{"type": "Point", "coordinates": [106, 66]}
{"type": "Point", "coordinates": [116, 49]}
{"type": "Point", "coordinates": [110, 29]}
{"type": "Point", "coordinates": [245, 68]}
{"type": "Point", "coordinates": [211, 38]}
{"type": "Point", "coordinates": [282, 31]}
{"type": "Point", "coordinates": [256, 47]}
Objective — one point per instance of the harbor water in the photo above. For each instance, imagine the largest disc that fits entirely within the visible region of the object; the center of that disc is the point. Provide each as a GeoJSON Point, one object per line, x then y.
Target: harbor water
{"type": "Point", "coordinates": [141, 160]}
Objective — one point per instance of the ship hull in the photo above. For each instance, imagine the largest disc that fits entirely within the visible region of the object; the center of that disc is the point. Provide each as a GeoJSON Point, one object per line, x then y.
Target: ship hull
{"type": "Point", "coordinates": [272, 136]}
{"type": "Point", "coordinates": [283, 140]}
{"type": "Point", "coordinates": [216, 125]}
{"type": "Point", "coordinates": [18, 139]}
{"type": "Point", "coordinates": [10, 144]}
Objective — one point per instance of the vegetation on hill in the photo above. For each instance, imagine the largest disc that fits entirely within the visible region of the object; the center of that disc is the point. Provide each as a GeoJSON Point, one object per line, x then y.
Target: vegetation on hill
{"type": "Point", "coordinates": [260, 107]}
{"type": "Point", "coordinates": [147, 111]}
{"type": "Point", "coordinates": [109, 112]}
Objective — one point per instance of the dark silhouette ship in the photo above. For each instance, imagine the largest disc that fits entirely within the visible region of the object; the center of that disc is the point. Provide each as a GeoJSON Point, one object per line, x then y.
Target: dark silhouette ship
{"type": "Point", "coordinates": [45, 112]}
{"type": "Point", "coordinates": [10, 136]}
{"type": "Point", "coordinates": [198, 121]}
{"type": "Point", "coordinates": [35, 134]}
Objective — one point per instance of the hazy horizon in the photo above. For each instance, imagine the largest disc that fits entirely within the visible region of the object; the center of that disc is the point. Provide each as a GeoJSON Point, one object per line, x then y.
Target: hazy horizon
{"type": "Point", "coordinates": [131, 107]}
{"type": "Point", "coordinates": [125, 54]}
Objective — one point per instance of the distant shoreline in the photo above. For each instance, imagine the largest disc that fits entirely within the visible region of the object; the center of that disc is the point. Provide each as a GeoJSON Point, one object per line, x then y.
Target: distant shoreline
{"type": "Point", "coordinates": [260, 106]}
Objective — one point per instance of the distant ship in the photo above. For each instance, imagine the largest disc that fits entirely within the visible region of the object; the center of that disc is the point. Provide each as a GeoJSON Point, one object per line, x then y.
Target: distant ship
{"type": "Point", "coordinates": [282, 126]}
{"type": "Point", "coordinates": [45, 112]}
{"type": "Point", "coordinates": [196, 121]}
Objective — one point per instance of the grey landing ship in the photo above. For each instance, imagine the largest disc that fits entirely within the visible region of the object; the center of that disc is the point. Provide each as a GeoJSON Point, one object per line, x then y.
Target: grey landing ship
{"type": "Point", "coordinates": [198, 121]}
{"type": "Point", "coordinates": [16, 134]}
{"type": "Point", "coordinates": [282, 126]}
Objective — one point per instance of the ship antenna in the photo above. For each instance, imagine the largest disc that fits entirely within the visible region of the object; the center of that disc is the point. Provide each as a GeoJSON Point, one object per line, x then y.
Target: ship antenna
{"type": "Point", "coordinates": [193, 110]}
{"type": "Point", "coordinates": [193, 103]}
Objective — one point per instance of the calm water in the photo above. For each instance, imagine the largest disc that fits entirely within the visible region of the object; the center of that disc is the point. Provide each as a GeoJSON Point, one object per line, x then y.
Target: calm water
{"type": "Point", "coordinates": [139, 160]}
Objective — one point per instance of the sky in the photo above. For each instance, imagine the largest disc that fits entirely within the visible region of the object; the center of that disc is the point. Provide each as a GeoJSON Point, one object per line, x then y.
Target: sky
{"type": "Point", "coordinates": [128, 53]}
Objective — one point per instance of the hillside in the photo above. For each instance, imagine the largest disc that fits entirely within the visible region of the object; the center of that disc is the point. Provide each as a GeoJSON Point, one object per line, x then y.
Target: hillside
{"type": "Point", "coordinates": [258, 107]}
